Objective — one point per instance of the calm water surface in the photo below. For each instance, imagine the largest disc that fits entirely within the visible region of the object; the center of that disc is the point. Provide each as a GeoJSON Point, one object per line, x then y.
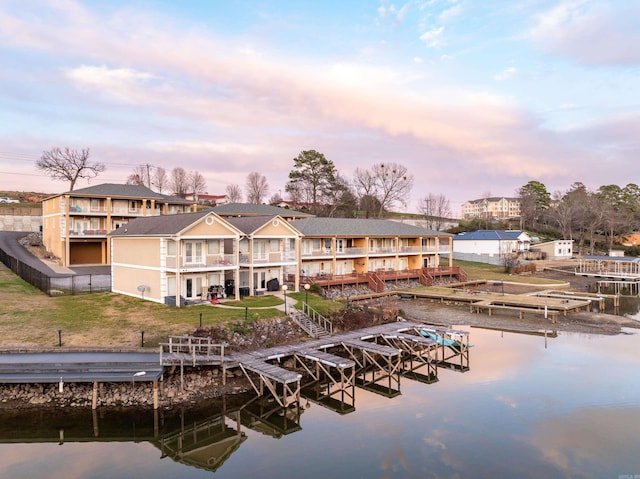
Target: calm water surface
{"type": "Point", "coordinates": [567, 407]}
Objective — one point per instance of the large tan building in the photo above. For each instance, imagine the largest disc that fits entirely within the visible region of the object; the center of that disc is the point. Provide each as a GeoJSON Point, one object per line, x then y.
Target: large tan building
{"type": "Point", "coordinates": [492, 208]}
{"type": "Point", "coordinates": [193, 256]}
{"type": "Point", "coordinates": [75, 224]}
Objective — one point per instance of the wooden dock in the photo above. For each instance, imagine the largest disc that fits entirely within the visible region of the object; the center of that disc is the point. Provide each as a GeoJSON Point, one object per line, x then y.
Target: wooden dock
{"type": "Point", "coordinates": [548, 305]}
{"type": "Point", "coordinates": [375, 359]}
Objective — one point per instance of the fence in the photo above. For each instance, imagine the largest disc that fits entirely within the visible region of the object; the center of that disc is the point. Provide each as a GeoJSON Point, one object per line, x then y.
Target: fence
{"type": "Point", "coordinates": [57, 285]}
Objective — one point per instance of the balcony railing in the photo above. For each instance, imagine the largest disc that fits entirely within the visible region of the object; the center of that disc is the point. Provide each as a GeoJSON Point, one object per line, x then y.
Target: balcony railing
{"type": "Point", "coordinates": [271, 257]}
{"type": "Point", "coordinates": [383, 250]}
{"type": "Point", "coordinates": [316, 252]}
{"type": "Point", "coordinates": [410, 249]}
{"type": "Point", "coordinates": [351, 252]}
{"type": "Point", "coordinates": [88, 233]}
{"type": "Point", "coordinates": [221, 261]}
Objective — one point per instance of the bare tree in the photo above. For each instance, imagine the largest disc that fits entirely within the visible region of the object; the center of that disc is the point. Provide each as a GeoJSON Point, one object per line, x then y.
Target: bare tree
{"type": "Point", "coordinates": [394, 185]}
{"type": "Point", "coordinates": [179, 182]}
{"type": "Point", "coordinates": [234, 193]}
{"type": "Point", "coordinates": [257, 187]}
{"type": "Point", "coordinates": [69, 165]}
{"type": "Point", "coordinates": [435, 208]}
{"type": "Point", "coordinates": [364, 183]}
{"type": "Point", "coordinates": [160, 179]}
{"type": "Point", "coordinates": [275, 199]}
{"type": "Point", "coordinates": [140, 176]}
{"type": "Point", "coordinates": [197, 183]}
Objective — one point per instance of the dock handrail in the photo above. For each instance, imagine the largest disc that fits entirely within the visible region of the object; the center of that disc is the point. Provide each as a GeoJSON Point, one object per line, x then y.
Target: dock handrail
{"type": "Point", "coordinates": [193, 347]}
{"type": "Point", "coordinates": [317, 318]}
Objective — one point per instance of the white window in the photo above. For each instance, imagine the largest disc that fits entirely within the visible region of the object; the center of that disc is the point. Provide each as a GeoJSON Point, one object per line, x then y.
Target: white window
{"type": "Point", "coordinates": [213, 246]}
{"type": "Point", "coordinates": [171, 248]}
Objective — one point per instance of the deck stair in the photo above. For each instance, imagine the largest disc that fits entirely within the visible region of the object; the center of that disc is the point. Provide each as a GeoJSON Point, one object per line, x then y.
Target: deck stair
{"type": "Point", "coordinates": [312, 322]}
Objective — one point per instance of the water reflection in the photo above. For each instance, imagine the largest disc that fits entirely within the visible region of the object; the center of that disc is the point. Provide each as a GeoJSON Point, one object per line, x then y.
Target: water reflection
{"type": "Point", "coordinates": [570, 408]}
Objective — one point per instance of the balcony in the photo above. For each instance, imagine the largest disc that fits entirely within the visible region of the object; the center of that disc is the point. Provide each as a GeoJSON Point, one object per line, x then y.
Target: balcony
{"type": "Point", "coordinates": [384, 251]}
{"type": "Point", "coordinates": [208, 262]}
{"type": "Point", "coordinates": [85, 233]}
{"type": "Point", "coordinates": [269, 258]}
{"type": "Point", "coordinates": [319, 253]}
{"type": "Point", "coordinates": [350, 252]}
{"type": "Point", "coordinates": [87, 210]}
{"type": "Point", "coordinates": [410, 249]}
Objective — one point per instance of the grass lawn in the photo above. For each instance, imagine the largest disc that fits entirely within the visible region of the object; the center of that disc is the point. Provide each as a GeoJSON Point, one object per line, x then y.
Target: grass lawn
{"type": "Point", "coordinates": [477, 271]}
{"type": "Point", "coordinates": [30, 318]}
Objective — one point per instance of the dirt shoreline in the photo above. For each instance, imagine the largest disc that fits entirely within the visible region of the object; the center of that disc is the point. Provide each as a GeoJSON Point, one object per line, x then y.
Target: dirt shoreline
{"type": "Point", "coordinates": [576, 322]}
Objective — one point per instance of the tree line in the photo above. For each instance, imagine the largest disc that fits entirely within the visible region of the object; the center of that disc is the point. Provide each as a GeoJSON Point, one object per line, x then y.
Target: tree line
{"type": "Point", "coordinates": [314, 184]}
{"type": "Point", "coordinates": [587, 216]}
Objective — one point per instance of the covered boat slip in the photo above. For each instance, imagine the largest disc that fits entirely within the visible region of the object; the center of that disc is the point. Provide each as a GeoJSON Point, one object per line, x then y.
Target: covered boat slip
{"type": "Point", "coordinates": [375, 359]}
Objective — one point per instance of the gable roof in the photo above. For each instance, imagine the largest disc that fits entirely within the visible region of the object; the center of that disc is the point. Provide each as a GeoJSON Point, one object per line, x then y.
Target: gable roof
{"type": "Point", "coordinates": [489, 235]}
{"type": "Point", "coordinates": [163, 225]}
{"type": "Point", "coordinates": [116, 190]}
{"type": "Point", "coordinates": [248, 209]}
{"type": "Point", "coordinates": [251, 224]}
{"type": "Point", "coordinates": [359, 227]}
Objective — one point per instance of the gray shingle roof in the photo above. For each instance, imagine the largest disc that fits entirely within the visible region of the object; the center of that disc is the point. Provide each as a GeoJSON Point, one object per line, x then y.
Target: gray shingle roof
{"type": "Point", "coordinates": [159, 225]}
{"type": "Point", "coordinates": [359, 227]}
{"type": "Point", "coordinates": [248, 209]}
{"type": "Point", "coordinates": [249, 224]}
{"type": "Point", "coordinates": [115, 190]}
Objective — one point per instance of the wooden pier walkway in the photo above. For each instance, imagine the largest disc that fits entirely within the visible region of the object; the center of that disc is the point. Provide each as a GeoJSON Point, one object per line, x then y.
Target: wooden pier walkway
{"type": "Point", "coordinates": [374, 355]}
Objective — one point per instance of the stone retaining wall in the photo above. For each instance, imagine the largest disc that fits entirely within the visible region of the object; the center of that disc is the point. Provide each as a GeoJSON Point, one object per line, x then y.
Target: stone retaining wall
{"type": "Point", "coordinates": [20, 223]}
{"type": "Point", "coordinates": [199, 384]}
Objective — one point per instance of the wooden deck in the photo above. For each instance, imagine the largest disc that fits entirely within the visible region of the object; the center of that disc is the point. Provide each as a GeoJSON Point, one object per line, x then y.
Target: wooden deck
{"type": "Point", "coordinates": [379, 353]}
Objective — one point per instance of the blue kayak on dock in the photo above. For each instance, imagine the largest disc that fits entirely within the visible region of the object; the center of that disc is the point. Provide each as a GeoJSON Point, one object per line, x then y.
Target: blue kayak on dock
{"type": "Point", "coordinates": [442, 341]}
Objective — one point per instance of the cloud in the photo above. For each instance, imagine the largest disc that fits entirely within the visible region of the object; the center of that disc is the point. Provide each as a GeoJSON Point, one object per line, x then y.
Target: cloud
{"type": "Point", "coordinates": [123, 83]}
{"type": "Point", "coordinates": [227, 105]}
{"type": "Point", "coordinates": [432, 38]}
{"type": "Point", "coordinates": [590, 32]}
{"type": "Point", "coordinates": [450, 13]}
{"type": "Point", "coordinates": [505, 74]}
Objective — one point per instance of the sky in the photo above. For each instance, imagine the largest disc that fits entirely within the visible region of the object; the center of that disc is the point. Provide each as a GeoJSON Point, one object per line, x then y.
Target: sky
{"type": "Point", "coordinates": [475, 98]}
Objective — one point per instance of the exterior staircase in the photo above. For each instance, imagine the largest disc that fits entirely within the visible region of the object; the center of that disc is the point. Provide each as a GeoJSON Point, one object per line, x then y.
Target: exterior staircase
{"type": "Point", "coordinates": [313, 323]}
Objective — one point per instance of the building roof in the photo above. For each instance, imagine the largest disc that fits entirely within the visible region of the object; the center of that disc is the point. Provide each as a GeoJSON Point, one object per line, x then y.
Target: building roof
{"type": "Point", "coordinates": [248, 209]}
{"type": "Point", "coordinates": [315, 226]}
{"type": "Point", "coordinates": [159, 225]}
{"type": "Point", "coordinates": [250, 224]}
{"type": "Point", "coordinates": [123, 191]}
{"type": "Point", "coordinates": [489, 235]}
{"type": "Point", "coordinates": [493, 199]}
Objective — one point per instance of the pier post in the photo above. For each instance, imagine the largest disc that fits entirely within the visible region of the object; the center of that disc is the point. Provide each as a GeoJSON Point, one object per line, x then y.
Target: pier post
{"type": "Point", "coordinates": [155, 394]}
{"type": "Point", "coordinates": [94, 402]}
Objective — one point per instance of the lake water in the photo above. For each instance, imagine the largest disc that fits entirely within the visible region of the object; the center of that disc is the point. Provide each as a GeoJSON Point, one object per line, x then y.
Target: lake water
{"type": "Point", "coordinates": [529, 407]}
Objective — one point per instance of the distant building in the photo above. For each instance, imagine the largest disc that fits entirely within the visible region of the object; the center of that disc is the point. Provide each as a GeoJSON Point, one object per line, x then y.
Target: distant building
{"type": "Point", "coordinates": [491, 242]}
{"type": "Point", "coordinates": [557, 249]}
{"type": "Point", "coordinates": [207, 199]}
{"type": "Point", "coordinates": [499, 208]}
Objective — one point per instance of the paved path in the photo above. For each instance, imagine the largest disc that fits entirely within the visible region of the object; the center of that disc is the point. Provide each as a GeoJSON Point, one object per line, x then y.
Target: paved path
{"type": "Point", "coordinates": [10, 245]}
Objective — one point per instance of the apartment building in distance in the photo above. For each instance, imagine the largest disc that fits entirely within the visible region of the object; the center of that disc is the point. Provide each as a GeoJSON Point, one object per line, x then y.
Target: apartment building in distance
{"type": "Point", "coordinates": [75, 224]}
{"type": "Point", "coordinates": [499, 208]}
